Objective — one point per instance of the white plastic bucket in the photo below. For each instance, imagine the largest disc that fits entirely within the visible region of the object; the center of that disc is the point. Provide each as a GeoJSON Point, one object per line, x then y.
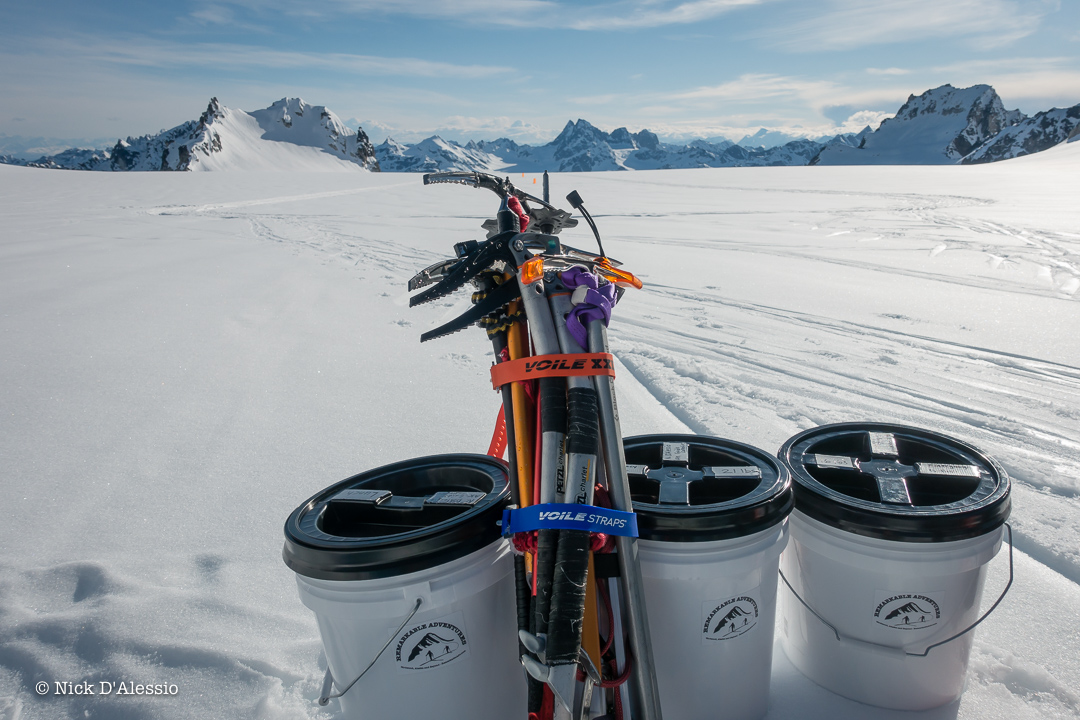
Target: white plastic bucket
{"type": "Point", "coordinates": [413, 588]}
{"type": "Point", "coordinates": [712, 516]}
{"type": "Point", "coordinates": [457, 658]}
{"type": "Point", "coordinates": [855, 584]}
{"type": "Point", "coordinates": [890, 539]}
{"type": "Point", "coordinates": [712, 610]}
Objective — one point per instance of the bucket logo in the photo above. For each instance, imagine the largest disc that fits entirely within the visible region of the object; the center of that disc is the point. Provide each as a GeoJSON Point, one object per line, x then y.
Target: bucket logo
{"type": "Point", "coordinates": [430, 645]}
{"type": "Point", "coordinates": [908, 612]}
{"type": "Point", "coordinates": [730, 619]}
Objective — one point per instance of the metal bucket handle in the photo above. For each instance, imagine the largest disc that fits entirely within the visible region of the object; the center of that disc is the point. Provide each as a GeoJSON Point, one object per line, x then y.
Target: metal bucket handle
{"type": "Point", "coordinates": [893, 648]}
{"type": "Point", "coordinates": [328, 679]}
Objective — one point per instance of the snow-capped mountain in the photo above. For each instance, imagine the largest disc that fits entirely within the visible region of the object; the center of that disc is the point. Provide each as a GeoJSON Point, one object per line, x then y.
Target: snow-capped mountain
{"type": "Point", "coordinates": [432, 155]}
{"type": "Point", "coordinates": [1041, 132]}
{"type": "Point", "coordinates": [768, 138]}
{"type": "Point", "coordinates": [939, 127]}
{"type": "Point", "coordinates": [944, 125]}
{"type": "Point", "coordinates": [288, 135]}
{"type": "Point", "coordinates": [582, 147]}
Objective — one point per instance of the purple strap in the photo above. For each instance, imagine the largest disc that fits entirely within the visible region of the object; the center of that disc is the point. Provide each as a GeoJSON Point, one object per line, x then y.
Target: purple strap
{"type": "Point", "coordinates": [597, 304]}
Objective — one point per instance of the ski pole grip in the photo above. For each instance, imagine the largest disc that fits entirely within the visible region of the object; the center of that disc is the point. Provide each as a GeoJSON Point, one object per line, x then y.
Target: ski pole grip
{"type": "Point", "coordinates": [546, 542]}
{"type": "Point", "coordinates": [583, 426]}
{"type": "Point", "coordinates": [568, 597]}
{"type": "Point", "coordinates": [553, 405]}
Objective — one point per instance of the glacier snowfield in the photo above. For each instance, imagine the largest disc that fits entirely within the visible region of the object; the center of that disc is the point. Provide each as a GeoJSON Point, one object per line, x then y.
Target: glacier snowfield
{"type": "Point", "coordinates": [185, 357]}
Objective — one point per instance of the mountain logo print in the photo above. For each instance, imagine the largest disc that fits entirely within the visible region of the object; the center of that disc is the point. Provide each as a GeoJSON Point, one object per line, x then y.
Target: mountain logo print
{"type": "Point", "coordinates": [908, 612]}
{"type": "Point", "coordinates": [430, 645]}
{"type": "Point", "coordinates": [730, 619]}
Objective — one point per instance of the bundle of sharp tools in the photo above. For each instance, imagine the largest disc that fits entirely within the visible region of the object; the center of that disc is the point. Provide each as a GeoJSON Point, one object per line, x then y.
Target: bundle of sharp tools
{"type": "Point", "coordinates": [582, 625]}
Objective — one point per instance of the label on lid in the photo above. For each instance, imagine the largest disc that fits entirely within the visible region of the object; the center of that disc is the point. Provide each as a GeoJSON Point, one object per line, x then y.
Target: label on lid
{"type": "Point", "coordinates": [747, 471]}
{"type": "Point", "coordinates": [676, 452]}
{"type": "Point", "coordinates": [455, 498]}
{"type": "Point", "coordinates": [362, 496]}
{"type": "Point", "coordinates": [832, 461]}
{"type": "Point", "coordinates": [637, 469]}
{"type": "Point", "coordinates": [883, 444]}
{"type": "Point", "coordinates": [971, 471]}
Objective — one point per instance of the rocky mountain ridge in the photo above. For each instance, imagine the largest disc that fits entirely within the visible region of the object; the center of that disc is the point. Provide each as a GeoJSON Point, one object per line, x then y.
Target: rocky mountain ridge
{"type": "Point", "coordinates": [225, 138]}
{"type": "Point", "coordinates": [947, 125]}
{"type": "Point", "coordinates": [582, 147]}
{"type": "Point", "coordinates": [944, 125]}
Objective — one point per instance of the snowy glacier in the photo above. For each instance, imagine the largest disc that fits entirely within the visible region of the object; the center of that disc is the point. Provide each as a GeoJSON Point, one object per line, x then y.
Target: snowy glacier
{"type": "Point", "coordinates": [188, 356]}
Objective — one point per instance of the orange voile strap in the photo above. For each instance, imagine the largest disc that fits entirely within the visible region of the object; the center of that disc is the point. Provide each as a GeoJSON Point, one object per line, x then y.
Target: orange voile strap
{"type": "Point", "coordinates": [541, 366]}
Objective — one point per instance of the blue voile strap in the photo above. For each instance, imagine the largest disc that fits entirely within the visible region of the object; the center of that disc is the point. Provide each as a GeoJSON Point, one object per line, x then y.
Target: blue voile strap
{"type": "Point", "coordinates": [566, 516]}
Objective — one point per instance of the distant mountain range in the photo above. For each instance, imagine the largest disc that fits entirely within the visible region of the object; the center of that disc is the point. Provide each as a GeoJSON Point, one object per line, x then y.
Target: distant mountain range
{"type": "Point", "coordinates": [942, 126]}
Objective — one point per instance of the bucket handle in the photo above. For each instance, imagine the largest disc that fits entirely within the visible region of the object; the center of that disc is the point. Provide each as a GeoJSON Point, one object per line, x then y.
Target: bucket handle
{"type": "Point", "coordinates": [966, 630]}
{"type": "Point", "coordinates": [328, 679]}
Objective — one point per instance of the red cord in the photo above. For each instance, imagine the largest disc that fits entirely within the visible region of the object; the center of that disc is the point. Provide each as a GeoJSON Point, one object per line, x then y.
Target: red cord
{"type": "Point", "coordinates": [607, 684]}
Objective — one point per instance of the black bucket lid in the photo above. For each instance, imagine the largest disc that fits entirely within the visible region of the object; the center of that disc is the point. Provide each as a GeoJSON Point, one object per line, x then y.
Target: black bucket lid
{"type": "Point", "coordinates": [695, 488]}
{"type": "Point", "coordinates": [896, 483]}
{"type": "Point", "coordinates": [399, 518]}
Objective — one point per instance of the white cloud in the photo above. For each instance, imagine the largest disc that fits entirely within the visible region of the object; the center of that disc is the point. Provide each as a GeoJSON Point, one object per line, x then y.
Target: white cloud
{"type": "Point", "coordinates": [133, 52]}
{"type": "Point", "coordinates": [861, 119]}
{"type": "Point", "coordinates": [626, 15]}
{"type": "Point", "coordinates": [214, 15]}
{"type": "Point", "coordinates": [756, 86]}
{"type": "Point", "coordinates": [849, 24]}
{"type": "Point", "coordinates": [1061, 87]}
{"type": "Point", "coordinates": [604, 15]}
{"type": "Point", "coordinates": [887, 71]}
{"type": "Point", "coordinates": [1033, 82]}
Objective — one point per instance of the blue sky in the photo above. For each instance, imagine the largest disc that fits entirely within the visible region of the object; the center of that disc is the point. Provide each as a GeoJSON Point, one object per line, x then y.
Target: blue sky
{"type": "Point", "coordinates": [522, 68]}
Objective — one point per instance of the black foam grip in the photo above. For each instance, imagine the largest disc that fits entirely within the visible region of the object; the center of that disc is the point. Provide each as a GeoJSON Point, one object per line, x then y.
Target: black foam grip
{"type": "Point", "coordinates": [522, 592]}
{"type": "Point", "coordinates": [583, 424]}
{"type": "Point", "coordinates": [568, 597]}
{"type": "Point", "coordinates": [552, 405]}
{"type": "Point", "coordinates": [524, 621]}
{"type": "Point", "coordinates": [546, 544]}
{"type": "Point", "coordinates": [536, 688]}
{"type": "Point", "coordinates": [508, 220]}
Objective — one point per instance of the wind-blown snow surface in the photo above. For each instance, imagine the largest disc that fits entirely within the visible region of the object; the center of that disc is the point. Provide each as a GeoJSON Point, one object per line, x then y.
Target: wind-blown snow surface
{"type": "Point", "coordinates": [186, 357]}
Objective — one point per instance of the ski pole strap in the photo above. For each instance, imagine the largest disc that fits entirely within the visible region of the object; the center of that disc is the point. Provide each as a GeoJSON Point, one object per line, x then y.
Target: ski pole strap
{"type": "Point", "coordinates": [592, 301]}
{"type": "Point", "coordinates": [557, 365]}
{"type": "Point", "coordinates": [567, 516]}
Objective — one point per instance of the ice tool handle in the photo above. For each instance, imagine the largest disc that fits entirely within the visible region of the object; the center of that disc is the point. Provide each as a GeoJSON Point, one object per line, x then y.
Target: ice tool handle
{"type": "Point", "coordinates": [544, 216]}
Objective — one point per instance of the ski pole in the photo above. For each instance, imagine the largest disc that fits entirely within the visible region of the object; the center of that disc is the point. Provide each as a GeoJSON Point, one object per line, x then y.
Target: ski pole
{"type": "Point", "coordinates": [582, 450]}
{"type": "Point", "coordinates": [645, 692]}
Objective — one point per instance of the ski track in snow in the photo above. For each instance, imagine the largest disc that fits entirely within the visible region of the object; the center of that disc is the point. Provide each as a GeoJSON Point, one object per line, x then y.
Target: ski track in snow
{"type": "Point", "coordinates": [704, 356]}
{"type": "Point", "coordinates": [760, 374]}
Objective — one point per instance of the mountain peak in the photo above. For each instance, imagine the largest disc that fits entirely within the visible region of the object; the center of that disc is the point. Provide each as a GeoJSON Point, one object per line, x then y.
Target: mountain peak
{"type": "Point", "coordinates": [940, 126]}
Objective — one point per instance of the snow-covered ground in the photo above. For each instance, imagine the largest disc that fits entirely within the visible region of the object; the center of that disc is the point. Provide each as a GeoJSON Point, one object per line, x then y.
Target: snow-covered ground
{"type": "Point", "coordinates": [185, 357]}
